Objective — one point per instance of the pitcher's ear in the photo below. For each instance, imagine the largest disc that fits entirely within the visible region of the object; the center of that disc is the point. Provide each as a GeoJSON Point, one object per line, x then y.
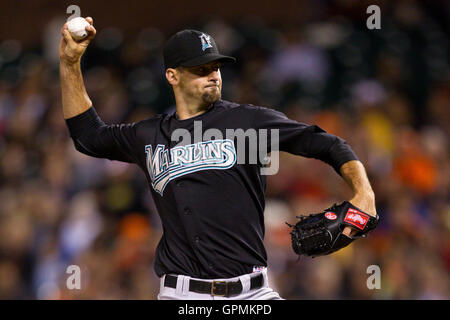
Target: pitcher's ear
{"type": "Point", "coordinates": [172, 76]}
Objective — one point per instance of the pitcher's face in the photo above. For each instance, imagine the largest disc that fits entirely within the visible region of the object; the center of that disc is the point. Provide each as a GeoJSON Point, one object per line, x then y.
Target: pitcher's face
{"type": "Point", "coordinates": [203, 83]}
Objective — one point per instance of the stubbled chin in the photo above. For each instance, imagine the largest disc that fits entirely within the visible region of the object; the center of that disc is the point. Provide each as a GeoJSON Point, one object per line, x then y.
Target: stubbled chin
{"type": "Point", "coordinates": [211, 96]}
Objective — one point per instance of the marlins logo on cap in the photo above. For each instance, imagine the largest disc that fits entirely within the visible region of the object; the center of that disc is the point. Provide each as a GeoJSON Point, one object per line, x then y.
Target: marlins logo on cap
{"type": "Point", "coordinates": [206, 41]}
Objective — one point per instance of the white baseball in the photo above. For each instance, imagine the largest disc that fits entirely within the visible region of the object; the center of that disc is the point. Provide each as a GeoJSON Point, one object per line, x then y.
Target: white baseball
{"type": "Point", "coordinates": [77, 28]}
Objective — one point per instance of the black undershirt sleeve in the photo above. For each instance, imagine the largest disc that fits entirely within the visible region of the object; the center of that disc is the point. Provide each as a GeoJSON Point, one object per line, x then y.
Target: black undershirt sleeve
{"type": "Point", "coordinates": [304, 140]}
{"type": "Point", "coordinates": [93, 137]}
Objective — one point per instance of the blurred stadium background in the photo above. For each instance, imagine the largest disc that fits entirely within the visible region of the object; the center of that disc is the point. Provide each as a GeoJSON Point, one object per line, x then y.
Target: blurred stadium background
{"type": "Point", "coordinates": [387, 92]}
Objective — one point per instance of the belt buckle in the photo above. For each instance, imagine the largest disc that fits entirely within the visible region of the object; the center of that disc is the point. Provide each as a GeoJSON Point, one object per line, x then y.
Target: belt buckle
{"type": "Point", "coordinates": [213, 288]}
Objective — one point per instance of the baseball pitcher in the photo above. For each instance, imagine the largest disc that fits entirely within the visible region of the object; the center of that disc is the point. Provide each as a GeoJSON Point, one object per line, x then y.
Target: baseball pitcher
{"type": "Point", "coordinates": [211, 204]}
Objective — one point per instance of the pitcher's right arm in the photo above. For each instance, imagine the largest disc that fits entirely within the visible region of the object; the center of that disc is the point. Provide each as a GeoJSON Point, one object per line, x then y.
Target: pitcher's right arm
{"type": "Point", "coordinates": [90, 134]}
{"type": "Point", "coordinates": [75, 99]}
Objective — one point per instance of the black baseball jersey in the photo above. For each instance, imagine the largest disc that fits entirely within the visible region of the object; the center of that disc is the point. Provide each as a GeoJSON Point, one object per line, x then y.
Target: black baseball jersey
{"type": "Point", "coordinates": [210, 201]}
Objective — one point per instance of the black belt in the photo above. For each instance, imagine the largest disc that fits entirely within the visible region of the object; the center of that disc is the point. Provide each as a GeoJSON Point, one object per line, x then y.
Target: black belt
{"type": "Point", "coordinates": [216, 288]}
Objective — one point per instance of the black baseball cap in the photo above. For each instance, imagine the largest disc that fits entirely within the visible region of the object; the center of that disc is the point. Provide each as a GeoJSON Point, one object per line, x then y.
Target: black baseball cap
{"type": "Point", "coordinates": [190, 48]}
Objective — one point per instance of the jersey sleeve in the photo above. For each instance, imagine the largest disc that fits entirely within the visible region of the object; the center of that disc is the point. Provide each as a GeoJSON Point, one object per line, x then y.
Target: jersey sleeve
{"type": "Point", "coordinates": [301, 139]}
{"type": "Point", "coordinates": [94, 138]}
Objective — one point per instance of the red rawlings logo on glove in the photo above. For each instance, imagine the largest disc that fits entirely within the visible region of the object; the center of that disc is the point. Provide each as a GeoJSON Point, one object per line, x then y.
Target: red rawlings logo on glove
{"type": "Point", "coordinates": [330, 215]}
{"type": "Point", "coordinates": [356, 218]}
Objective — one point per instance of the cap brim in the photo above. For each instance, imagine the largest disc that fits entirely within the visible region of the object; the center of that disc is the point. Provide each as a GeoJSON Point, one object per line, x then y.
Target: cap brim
{"type": "Point", "coordinates": [207, 58]}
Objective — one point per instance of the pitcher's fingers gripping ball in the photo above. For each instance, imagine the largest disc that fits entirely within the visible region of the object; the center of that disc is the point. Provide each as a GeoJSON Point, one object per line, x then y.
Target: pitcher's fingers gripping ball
{"type": "Point", "coordinates": [77, 28]}
{"type": "Point", "coordinates": [321, 233]}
